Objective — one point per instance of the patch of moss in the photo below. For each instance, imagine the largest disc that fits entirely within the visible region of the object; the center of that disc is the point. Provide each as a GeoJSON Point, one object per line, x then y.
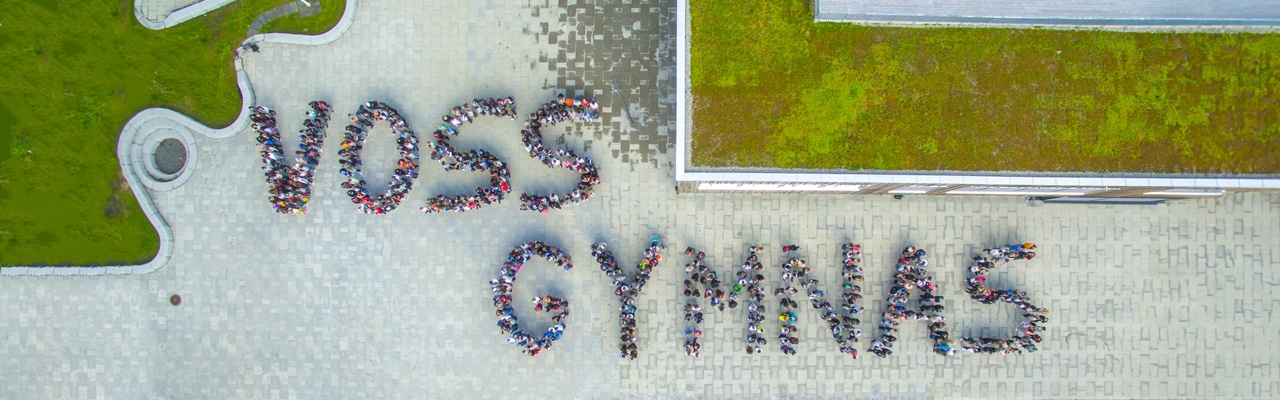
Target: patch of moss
{"type": "Point", "coordinates": [782, 91]}
{"type": "Point", "coordinates": [330, 12]}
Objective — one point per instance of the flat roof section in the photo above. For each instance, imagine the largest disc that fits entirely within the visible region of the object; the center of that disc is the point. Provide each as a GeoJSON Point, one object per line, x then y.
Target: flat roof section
{"type": "Point", "coordinates": [926, 182]}
{"type": "Point", "coordinates": [1257, 13]}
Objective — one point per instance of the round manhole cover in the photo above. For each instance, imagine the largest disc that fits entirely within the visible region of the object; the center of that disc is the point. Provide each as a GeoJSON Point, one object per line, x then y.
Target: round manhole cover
{"type": "Point", "coordinates": [175, 300]}
{"type": "Point", "coordinates": [171, 156]}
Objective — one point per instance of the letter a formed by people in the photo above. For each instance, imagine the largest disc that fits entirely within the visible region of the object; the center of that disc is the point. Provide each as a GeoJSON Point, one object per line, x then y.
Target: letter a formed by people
{"type": "Point", "coordinates": [911, 275]}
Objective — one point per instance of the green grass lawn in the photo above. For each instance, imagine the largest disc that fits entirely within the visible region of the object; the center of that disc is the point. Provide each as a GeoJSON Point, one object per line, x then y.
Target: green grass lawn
{"type": "Point", "coordinates": [74, 72]}
{"type": "Point", "coordinates": [773, 89]}
{"type": "Point", "coordinates": [330, 13]}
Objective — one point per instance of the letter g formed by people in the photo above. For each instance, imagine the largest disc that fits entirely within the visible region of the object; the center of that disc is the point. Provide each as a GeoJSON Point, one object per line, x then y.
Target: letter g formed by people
{"type": "Point", "coordinates": [504, 286]}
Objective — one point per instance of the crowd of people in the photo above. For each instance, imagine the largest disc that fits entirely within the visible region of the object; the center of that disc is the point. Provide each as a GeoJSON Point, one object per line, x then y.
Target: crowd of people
{"type": "Point", "coordinates": [475, 160]}
{"type": "Point", "coordinates": [1002, 255]}
{"type": "Point", "coordinates": [751, 283]}
{"type": "Point", "coordinates": [561, 110]}
{"type": "Point", "coordinates": [696, 273]}
{"type": "Point", "coordinates": [843, 323]}
{"type": "Point", "coordinates": [912, 275]}
{"type": "Point", "coordinates": [353, 142]}
{"type": "Point", "coordinates": [290, 184]}
{"type": "Point", "coordinates": [504, 286]}
{"type": "Point", "coordinates": [792, 269]}
{"type": "Point", "coordinates": [1029, 329]}
{"type": "Point", "coordinates": [702, 283]}
{"type": "Point", "coordinates": [627, 288]}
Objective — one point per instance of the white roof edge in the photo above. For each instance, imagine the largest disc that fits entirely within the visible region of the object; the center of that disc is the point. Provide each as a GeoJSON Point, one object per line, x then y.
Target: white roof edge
{"type": "Point", "coordinates": [1014, 180]}
{"type": "Point", "coordinates": [682, 84]}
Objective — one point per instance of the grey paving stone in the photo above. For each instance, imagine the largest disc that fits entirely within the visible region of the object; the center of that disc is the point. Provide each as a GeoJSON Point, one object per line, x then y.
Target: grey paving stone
{"type": "Point", "coordinates": [1154, 302]}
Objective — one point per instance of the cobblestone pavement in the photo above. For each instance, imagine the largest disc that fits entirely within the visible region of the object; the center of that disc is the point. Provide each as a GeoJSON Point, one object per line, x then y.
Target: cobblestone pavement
{"type": "Point", "coordinates": [1156, 302]}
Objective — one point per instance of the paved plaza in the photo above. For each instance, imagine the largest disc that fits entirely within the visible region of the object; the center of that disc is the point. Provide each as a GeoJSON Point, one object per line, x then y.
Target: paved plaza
{"type": "Point", "coordinates": [1173, 300]}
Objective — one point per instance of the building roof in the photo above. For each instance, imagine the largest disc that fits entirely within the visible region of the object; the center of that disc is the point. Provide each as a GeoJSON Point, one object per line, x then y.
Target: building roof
{"type": "Point", "coordinates": [1264, 13]}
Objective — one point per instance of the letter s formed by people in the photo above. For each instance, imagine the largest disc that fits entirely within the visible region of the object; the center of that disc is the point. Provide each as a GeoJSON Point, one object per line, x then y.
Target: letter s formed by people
{"type": "Point", "coordinates": [561, 110]}
{"type": "Point", "coordinates": [474, 160]}
{"type": "Point", "coordinates": [1029, 330]}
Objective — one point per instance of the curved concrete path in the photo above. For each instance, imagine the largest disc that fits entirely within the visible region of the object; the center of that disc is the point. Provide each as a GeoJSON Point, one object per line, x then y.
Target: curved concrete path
{"type": "Point", "coordinates": [133, 138]}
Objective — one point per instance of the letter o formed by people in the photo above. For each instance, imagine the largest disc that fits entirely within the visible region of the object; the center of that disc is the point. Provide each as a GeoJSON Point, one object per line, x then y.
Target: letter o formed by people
{"type": "Point", "coordinates": [406, 168]}
{"type": "Point", "coordinates": [504, 286]}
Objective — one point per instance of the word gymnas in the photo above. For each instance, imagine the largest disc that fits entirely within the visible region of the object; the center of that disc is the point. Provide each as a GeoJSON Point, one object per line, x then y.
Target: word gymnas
{"type": "Point", "coordinates": [745, 287]}
{"type": "Point", "coordinates": [290, 184]}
